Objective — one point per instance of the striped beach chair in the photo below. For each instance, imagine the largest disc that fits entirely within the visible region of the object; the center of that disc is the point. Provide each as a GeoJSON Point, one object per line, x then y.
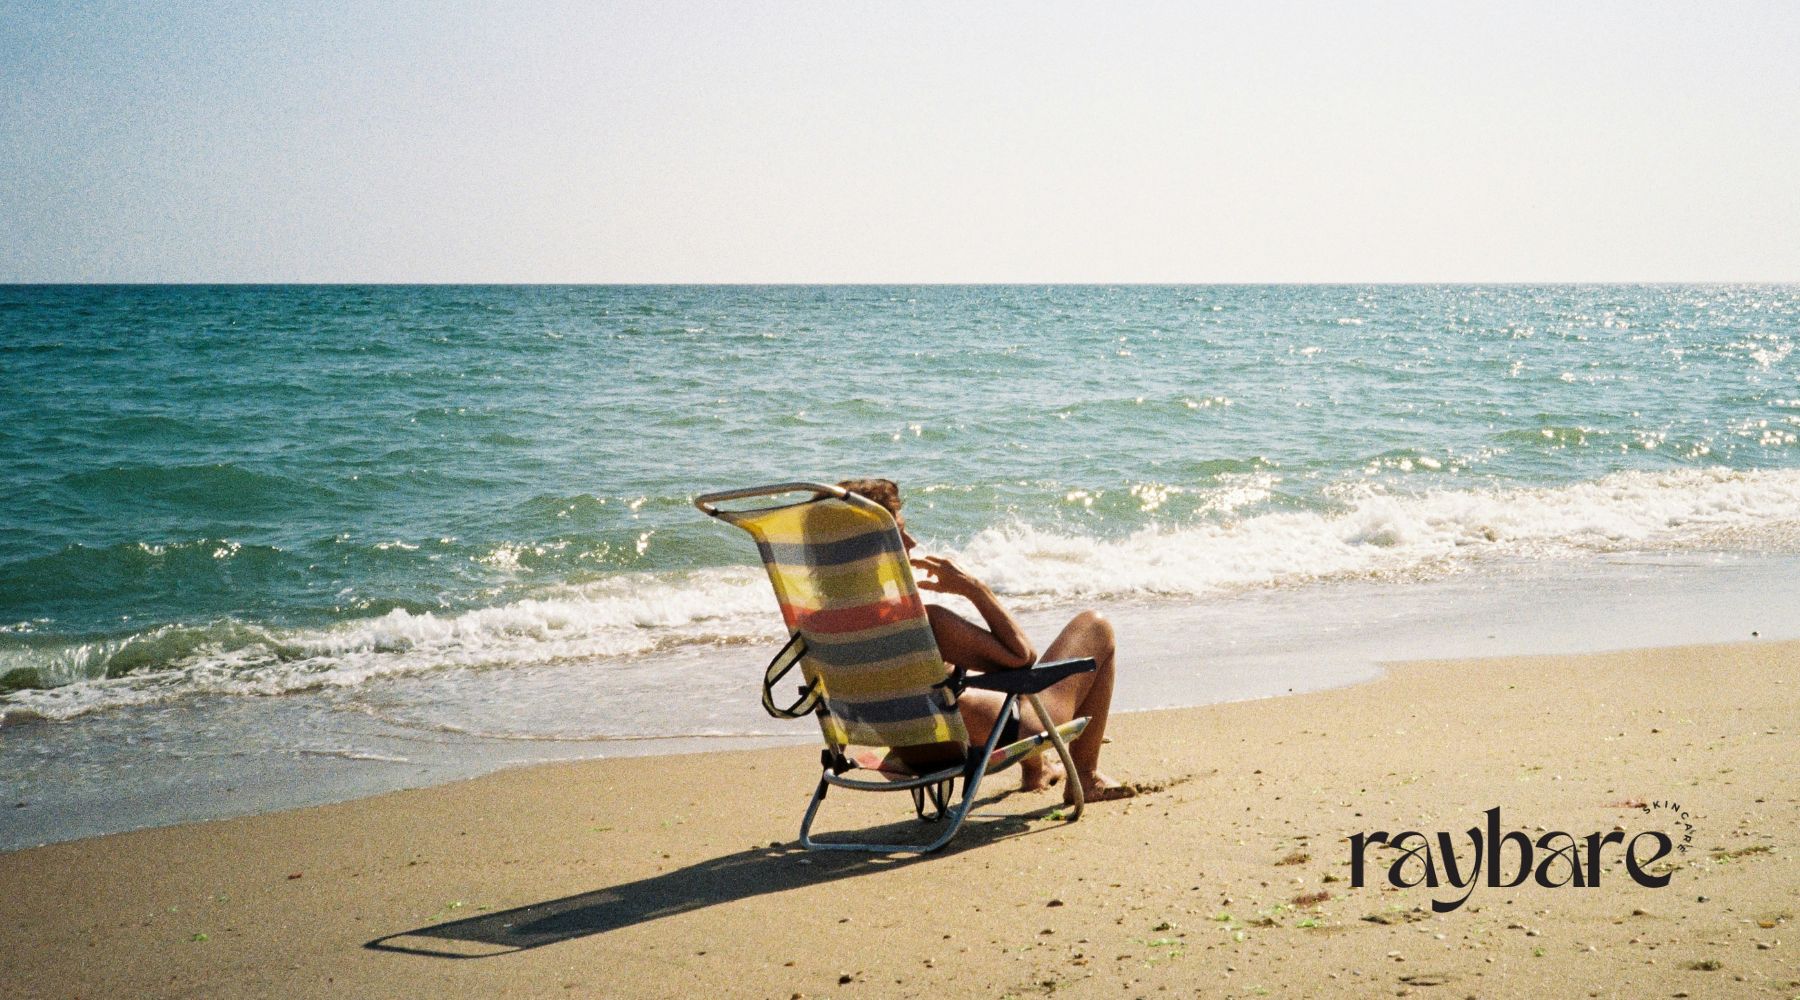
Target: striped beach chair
{"type": "Point", "coordinates": [870, 669]}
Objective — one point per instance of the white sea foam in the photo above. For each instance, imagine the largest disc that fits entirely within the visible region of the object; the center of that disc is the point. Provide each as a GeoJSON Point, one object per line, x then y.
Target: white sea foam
{"type": "Point", "coordinates": [1372, 534]}
{"type": "Point", "coordinates": [626, 615]}
{"type": "Point", "coordinates": [1385, 535]}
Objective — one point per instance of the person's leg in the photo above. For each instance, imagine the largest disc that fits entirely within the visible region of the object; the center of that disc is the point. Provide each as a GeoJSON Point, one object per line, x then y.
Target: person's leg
{"type": "Point", "coordinates": [980, 711]}
{"type": "Point", "coordinates": [1090, 694]}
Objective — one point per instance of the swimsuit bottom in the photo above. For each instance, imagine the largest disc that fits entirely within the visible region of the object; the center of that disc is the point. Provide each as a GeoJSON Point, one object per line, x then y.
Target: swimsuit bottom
{"type": "Point", "coordinates": [1009, 729]}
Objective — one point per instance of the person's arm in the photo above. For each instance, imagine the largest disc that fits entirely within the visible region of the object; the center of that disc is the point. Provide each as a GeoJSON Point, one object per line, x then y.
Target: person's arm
{"type": "Point", "coordinates": [1000, 646]}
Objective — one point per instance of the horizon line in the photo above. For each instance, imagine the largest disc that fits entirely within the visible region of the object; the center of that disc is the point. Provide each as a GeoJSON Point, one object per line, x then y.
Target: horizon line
{"type": "Point", "coordinates": [892, 283]}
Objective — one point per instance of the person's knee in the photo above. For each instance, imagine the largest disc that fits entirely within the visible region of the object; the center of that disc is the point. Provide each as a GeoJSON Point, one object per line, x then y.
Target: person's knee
{"type": "Point", "coordinates": [1094, 625]}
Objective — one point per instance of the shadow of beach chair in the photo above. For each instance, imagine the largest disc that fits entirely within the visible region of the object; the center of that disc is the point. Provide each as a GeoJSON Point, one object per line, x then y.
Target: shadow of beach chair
{"type": "Point", "coordinates": [884, 699]}
{"type": "Point", "coordinates": [731, 878]}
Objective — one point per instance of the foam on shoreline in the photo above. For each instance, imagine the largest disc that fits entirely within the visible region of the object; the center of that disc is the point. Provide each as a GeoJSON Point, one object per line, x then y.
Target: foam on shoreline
{"type": "Point", "coordinates": [1376, 536]}
{"type": "Point", "coordinates": [214, 756]}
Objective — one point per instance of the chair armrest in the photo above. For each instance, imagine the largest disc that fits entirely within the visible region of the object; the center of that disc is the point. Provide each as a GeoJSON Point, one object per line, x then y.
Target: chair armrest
{"type": "Point", "coordinates": [1030, 680]}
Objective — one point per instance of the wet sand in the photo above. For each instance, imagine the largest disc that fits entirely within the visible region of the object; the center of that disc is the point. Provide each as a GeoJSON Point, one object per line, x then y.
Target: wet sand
{"type": "Point", "coordinates": [1230, 876]}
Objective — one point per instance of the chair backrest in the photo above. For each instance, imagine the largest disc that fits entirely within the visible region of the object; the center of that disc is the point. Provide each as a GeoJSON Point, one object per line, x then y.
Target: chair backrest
{"type": "Point", "coordinates": [845, 586]}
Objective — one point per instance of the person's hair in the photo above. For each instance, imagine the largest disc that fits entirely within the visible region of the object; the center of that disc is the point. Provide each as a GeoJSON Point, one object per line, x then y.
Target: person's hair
{"type": "Point", "coordinates": [882, 491]}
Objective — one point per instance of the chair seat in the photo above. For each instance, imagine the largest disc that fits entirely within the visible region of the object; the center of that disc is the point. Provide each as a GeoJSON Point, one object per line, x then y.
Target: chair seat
{"type": "Point", "coordinates": [876, 765]}
{"type": "Point", "coordinates": [884, 762]}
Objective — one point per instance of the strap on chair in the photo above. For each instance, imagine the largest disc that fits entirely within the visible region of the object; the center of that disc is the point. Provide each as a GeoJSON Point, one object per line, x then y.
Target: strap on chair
{"type": "Point", "coordinates": [778, 667]}
{"type": "Point", "coordinates": [939, 797]}
{"type": "Point", "coordinates": [953, 684]}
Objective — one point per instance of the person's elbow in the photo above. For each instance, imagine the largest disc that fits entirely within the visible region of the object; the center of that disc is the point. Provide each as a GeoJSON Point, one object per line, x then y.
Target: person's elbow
{"type": "Point", "coordinates": [1020, 659]}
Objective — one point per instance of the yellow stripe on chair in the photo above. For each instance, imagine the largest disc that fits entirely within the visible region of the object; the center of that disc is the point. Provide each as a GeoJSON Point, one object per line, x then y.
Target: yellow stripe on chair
{"type": "Point", "coordinates": [864, 581]}
{"type": "Point", "coordinates": [805, 524]}
{"type": "Point", "coordinates": [841, 575]}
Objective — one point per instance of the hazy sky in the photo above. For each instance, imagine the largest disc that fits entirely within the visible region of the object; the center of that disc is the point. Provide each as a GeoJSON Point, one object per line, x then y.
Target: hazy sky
{"type": "Point", "coordinates": [839, 141]}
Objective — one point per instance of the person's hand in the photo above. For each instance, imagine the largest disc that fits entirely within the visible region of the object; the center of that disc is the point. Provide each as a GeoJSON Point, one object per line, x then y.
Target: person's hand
{"type": "Point", "coordinates": [945, 577]}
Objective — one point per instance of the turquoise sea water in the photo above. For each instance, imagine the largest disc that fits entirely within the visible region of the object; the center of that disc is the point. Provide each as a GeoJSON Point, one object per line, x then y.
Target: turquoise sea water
{"type": "Point", "coordinates": [273, 486]}
{"type": "Point", "coordinates": [256, 492]}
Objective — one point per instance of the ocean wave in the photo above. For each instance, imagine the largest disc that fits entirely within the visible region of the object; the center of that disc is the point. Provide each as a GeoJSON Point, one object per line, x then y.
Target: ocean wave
{"type": "Point", "coordinates": [626, 615]}
{"type": "Point", "coordinates": [1366, 533]}
{"type": "Point", "coordinates": [80, 572]}
{"type": "Point", "coordinates": [1374, 533]}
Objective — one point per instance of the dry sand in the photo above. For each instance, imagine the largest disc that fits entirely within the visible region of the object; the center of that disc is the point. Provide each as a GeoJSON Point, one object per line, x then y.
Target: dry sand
{"type": "Point", "coordinates": [679, 877]}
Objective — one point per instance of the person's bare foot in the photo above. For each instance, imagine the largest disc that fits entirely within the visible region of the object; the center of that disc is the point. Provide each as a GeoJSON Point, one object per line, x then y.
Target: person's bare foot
{"type": "Point", "coordinates": [1101, 788]}
{"type": "Point", "coordinates": [1038, 774]}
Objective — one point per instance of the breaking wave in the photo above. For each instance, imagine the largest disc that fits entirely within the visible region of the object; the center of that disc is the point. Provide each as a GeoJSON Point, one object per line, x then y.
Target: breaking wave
{"type": "Point", "coordinates": [1369, 534]}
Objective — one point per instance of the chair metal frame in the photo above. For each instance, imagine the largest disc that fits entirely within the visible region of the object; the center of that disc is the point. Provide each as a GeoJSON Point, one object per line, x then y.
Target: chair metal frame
{"type": "Point", "coordinates": [1027, 682]}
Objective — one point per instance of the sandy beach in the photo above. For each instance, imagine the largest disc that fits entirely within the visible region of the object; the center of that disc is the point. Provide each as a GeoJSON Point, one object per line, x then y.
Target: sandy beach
{"type": "Point", "coordinates": [421, 430]}
{"type": "Point", "coordinates": [1229, 877]}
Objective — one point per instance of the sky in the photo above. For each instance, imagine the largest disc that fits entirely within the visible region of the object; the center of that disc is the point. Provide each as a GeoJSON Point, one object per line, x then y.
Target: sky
{"type": "Point", "coordinates": [899, 142]}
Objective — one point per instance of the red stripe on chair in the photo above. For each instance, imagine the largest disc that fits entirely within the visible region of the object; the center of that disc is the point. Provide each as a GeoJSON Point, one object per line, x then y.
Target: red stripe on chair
{"type": "Point", "coordinates": [854, 619]}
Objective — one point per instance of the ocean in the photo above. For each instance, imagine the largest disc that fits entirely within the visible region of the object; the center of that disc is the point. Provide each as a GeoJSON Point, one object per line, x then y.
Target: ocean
{"type": "Point", "coordinates": [264, 546]}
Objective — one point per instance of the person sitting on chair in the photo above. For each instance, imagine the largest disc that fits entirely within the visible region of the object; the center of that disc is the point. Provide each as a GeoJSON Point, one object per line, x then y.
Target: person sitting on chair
{"type": "Point", "coordinates": [1002, 645]}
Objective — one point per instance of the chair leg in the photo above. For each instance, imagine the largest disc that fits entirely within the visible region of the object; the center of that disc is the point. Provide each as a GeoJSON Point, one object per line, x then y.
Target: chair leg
{"type": "Point", "coordinates": [950, 828]}
{"type": "Point", "coordinates": [971, 785]}
{"type": "Point", "coordinates": [1062, 750]}
{"type": "Point", "coordinates": [812, 809]}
